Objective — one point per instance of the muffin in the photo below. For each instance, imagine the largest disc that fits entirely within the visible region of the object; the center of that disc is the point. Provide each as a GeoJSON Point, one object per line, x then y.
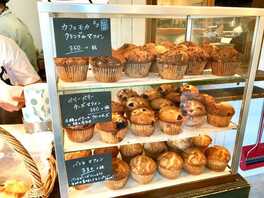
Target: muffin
{"type": "Point", "coordinates": [170, 120]}
{"type": "Point", "coordinates": [118, 108]}
{"type": "Point", "coordinates": [138, 63]}
{"type": "Point", "coordinates": [136, 102]}
{"type": "Point", "coordinates": [76, 155]}
{"type": "Point", "coordinates": [72, 69]}
{"type": "Point", "coordinates": [125, 48]}
{"type": "Point", "coordinates": [142, 122]}
{"type": "Point", "coordinates": [174, 96]}
{"type": "Point", "coordinates": [108, 68]}
{"type": "Point", "coordinates": [210, 50]}
{"type": "Point", "coordinates": [172, 64]}
{"type": "Point", "coordinates": [166, 88]}
{"type": "Point", "coordinates": [124, 94]}
{"type": "Point", "coordinates": [170, 165]}
{"type": "Point", "coordinates": [81, 133]}
{"type": "Point", "coordinates": [189, 88]}
{"type": "Point", "coordinates": [113, 150]}
{"type": "Point", "coordinates": [225, 61]}
{"type": "Point", "coordinates": [114, 131]}
{"type": "Point", "coordinates": [151, 94]}
{"type": "Point", "coordinates": [194, 161]}
{"type": "Point", "coordinates": [154, 149]}
{"type": "Point", "coordinates": [159, 103]}
{"type": "Point", "coordinates": [143, 169]}
{"type": "Point", "coordinates": [220, 114]}
{"type": "Point", "coordinates": [197, 60]}
{"type": "Point", "coordinates": [130, 151]}
{"type": "Point", "coordinates": [202, 142]}
{"type": "Point", "coordinates": [194, 112]}
{"type": "Point", "coordinates": [217, 158]}
{"type": "Point", "coordinates": [120, 175]}
{"type": "Point", "coordinates": [179, 145]}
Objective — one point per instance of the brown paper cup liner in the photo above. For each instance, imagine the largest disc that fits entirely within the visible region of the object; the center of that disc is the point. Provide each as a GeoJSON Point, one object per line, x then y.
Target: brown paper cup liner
{"type": "Point", "coordinates": [171, 71]}
{"type": "Point", "coordinates": [193, 170]}
{"type": "Point", "coordinates": [107, 74]}
{"type": "Point", "coordinates": [168, 173]}
{"type": "Point", "coordinates": [224, 69]}
{"type": "Point", "coordinates": [73, 73]}
{"type": "Point", "coordinates": [195, 120]}
{"type": "Point", "coordinates": [142, 130]}
{"type": "Point", "coordinates": [80, 135]}
{"type": "Point", "coordinates": [142, 179]}
{"type": "Point", "coordinates": [137, 70]}
{"type": "Point", "coordinates": [216, 165]}
{"type": "Point", "coordinates": [109, 138]}
{"type": "Point", "coordinates": [218, 121]}
{"type": "Point", "coordinates": [116, 184]}
{"type": "Point", "coordinates": [195, 68]}
{"type": "Point", "coordinates": [154, 67]}
{"type": "Point", "coordinates": [170, 128]}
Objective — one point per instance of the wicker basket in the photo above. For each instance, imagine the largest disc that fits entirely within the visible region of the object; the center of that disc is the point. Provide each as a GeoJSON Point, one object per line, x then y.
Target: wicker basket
{"type": "Point", "coordinates": [39, 189]}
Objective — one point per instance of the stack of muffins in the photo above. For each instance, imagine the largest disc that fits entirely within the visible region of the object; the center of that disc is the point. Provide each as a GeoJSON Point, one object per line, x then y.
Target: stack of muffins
{"type": "Point", "coordinates": [171, 61]}
{"type": "Point", "coordinates": [166, 108]}
{"type": "Point", "coordinates": [143, 161]}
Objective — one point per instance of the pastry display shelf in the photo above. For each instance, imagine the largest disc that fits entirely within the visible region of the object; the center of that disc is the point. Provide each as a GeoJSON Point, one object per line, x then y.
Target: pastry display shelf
{"type": "Point", "coordinates": [151, 79]}
{"type": "Point", "coordinates": [158, 136]}
{"type": "Point", "coordinates": [100, 190]}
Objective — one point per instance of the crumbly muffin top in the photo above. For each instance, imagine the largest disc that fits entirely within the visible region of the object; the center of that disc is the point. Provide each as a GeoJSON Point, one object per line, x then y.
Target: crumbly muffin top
{"type": "Point", "coordinates": [138, 55]}
{"type": "Point", "coordinates": [180, 144]}
{"type": "Point", "coordinates": [151, 94]}
{"type": "Point", "coordinates": [143, 116]}
{"type": "Point", "coordinates": [226, 54]}
{"type": "Point", "coordinates": [155, 147]}
{"type": "Point", "coordinates": [71, 61]}
{"type": "Point", "coordinates": [136, 102]}
{"type": "Point", "coordinates": [159, 103]}
{"type": "Point", "coordinates": [170, 161]}
{"type": "Point", "coordinates": [108, 61]}
{"type": "Point", "coordinates": [120, 169]}
{"type": "Point", "coordinates": [197, 54]}
{"type": "Point", "coordinates": [166, 88]}
{"type": "Point", "coordinates": [175, 56]}
{"type": "Point", "coordinates": [220, 108]}
{"type": "Point", "coordinates": [202, 140]}
{"type": "Point", "coordinates": [218, 153]}
{"type": "Point", "coordinates": [143, 165]}
{"type": "Point", "coordinates": [131, 149]}
{"type": "Point", "coordinates": [117, 123]}
{"type": "Point", "coordinates": [171, 114]}
{"type": "Point", "coordinates": [194, 156]}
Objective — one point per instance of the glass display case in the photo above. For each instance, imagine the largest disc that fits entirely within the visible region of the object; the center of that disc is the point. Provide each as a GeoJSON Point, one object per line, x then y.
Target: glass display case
{"type": "Point", "coordinates": [129, 25]}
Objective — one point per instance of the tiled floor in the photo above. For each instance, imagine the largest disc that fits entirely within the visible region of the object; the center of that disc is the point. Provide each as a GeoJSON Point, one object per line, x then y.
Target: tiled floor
{"type": "Point", "coordinates": [257, 186]}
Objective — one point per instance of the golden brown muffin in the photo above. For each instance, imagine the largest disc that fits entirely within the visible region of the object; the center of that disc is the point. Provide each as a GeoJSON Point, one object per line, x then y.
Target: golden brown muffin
{"type": "Point", "coordinates": [201, 140]}
{"type": "Point", "coordinates": [120, 174]}
{"type": "Point", "coordinates": [220, 114]}
{"type": "Point", "coordinates": [170, 164]}
{"type": "Point", "coordinates": [225, 54]}
{"type": "Point", "coordinates": [170, 120]}
{"type": "Point", "coordinates": [189, 88]}
{"type": "Point", "coordinates": [77, 154]}
{"type": "Point", "coordinates": [130, 151]}
{"type": "Point", "coordinates": [151, 94]}
{"type": "Point", "coordinates": [174, 96]}
{"type": "Point", "coordinates": [107, 150]}
{"type": "Point", "coordinates": [143, 169]}
{"type": "Point", "coordinates": [166, 88]}
{"type": "Point", "coordinates": [124, 94]}
{"type": "Point", "coordinates": [81, 133]}
{"type": "Point", "coordinates": [179, 145]}
{"type": "Point", "coordinates": [118, 108]}
{"type": "Point", "coordinates": [159, 103]}
{"type": "Point", "coordinates": [194, 161]}
{"type": "Point", "coordinates": [138, 55]}
{"type": "Point", "coordinates": [136, 102]}
{"type": "Point", "coordinates": [142, 121]}
{"type": "Point", "coordinates": [113, 131]}
{"type": "Point", "coordinates": [217, 158]}
{"type": "Point", "coordinates": [154, 149]}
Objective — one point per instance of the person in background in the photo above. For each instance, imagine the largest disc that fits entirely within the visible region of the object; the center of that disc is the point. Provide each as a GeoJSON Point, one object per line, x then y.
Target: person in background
{"type": "Point", "coordinates": [14, 28]}
{"type": "Point", "coordinates": [15, 69]}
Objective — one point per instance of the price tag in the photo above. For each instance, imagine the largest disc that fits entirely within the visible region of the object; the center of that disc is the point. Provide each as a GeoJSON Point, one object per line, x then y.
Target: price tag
{"type": "Point", "coordinates": [85, 108]}
{"type": "Point", "coordinates": [82, 37]}
{"type": "Point", "coordinates": [89, 170]}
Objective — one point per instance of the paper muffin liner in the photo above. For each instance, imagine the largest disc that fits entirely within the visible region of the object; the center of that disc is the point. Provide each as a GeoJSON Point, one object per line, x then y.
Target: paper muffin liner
{"type": "Point", "coordinates": [142, 179]}
{"type": "Point", "coordinates": [116, 184]}
{"type": "Point", "coordinates": [107, 73]}
{"type": "Point", "coordinates": [219, 121]}
{"type": "Point", "coordinates": [195, 68]}
{"type": "Point", "coordinates": [154, 67]}
{"type": "Point", "coordinates": [224, 69]}
{"type": "Point", "coordinates": [195, 120]}
{"type": "Point", "coordinates": [193, 170]}
{"type": "Point", "coordinates": [168, 173]}
{"type": "Point", "coordinates": [143, 130]}
{"type": "Point", "coordinates": [110, 138]}
{"type": "Point", "coordinates": [171, 71]}
{"type": "Point", "coordinates": [170, 128]}
{"type": "Point", "coordinates": [72, 73]}
{"type": "Point", "coordinates": [80, 135]}
{"type": "Point", "coordinates": [216, 165]}
{"type": "Point", "coordinates": [137, 70]}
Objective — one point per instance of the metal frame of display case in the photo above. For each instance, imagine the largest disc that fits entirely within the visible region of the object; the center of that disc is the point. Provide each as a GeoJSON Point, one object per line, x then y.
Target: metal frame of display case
{"type": "Point", "coordinates": [49, 10]}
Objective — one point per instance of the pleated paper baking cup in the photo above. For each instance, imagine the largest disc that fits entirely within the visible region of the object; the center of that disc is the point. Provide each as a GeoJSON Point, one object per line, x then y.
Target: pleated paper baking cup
{"type": "Point", "coordinates": [170, 128]}
{"type": "Point", "coordinates": [107, 73]}
{"type": "Point", "coordinates": [195, 68]}
{"type": "Point", "coordinates": [171, 71]}
{"type": "Point", "coordinates": [137, 70]}
{"type": "Point", "coordinates": [143, 130]}
{"type": "Point", "coordinates": [224, 69]}
{"type": "Point", "coordinates": [80, 135]}
{"type": "Point", "coordinates": [73, 73]}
